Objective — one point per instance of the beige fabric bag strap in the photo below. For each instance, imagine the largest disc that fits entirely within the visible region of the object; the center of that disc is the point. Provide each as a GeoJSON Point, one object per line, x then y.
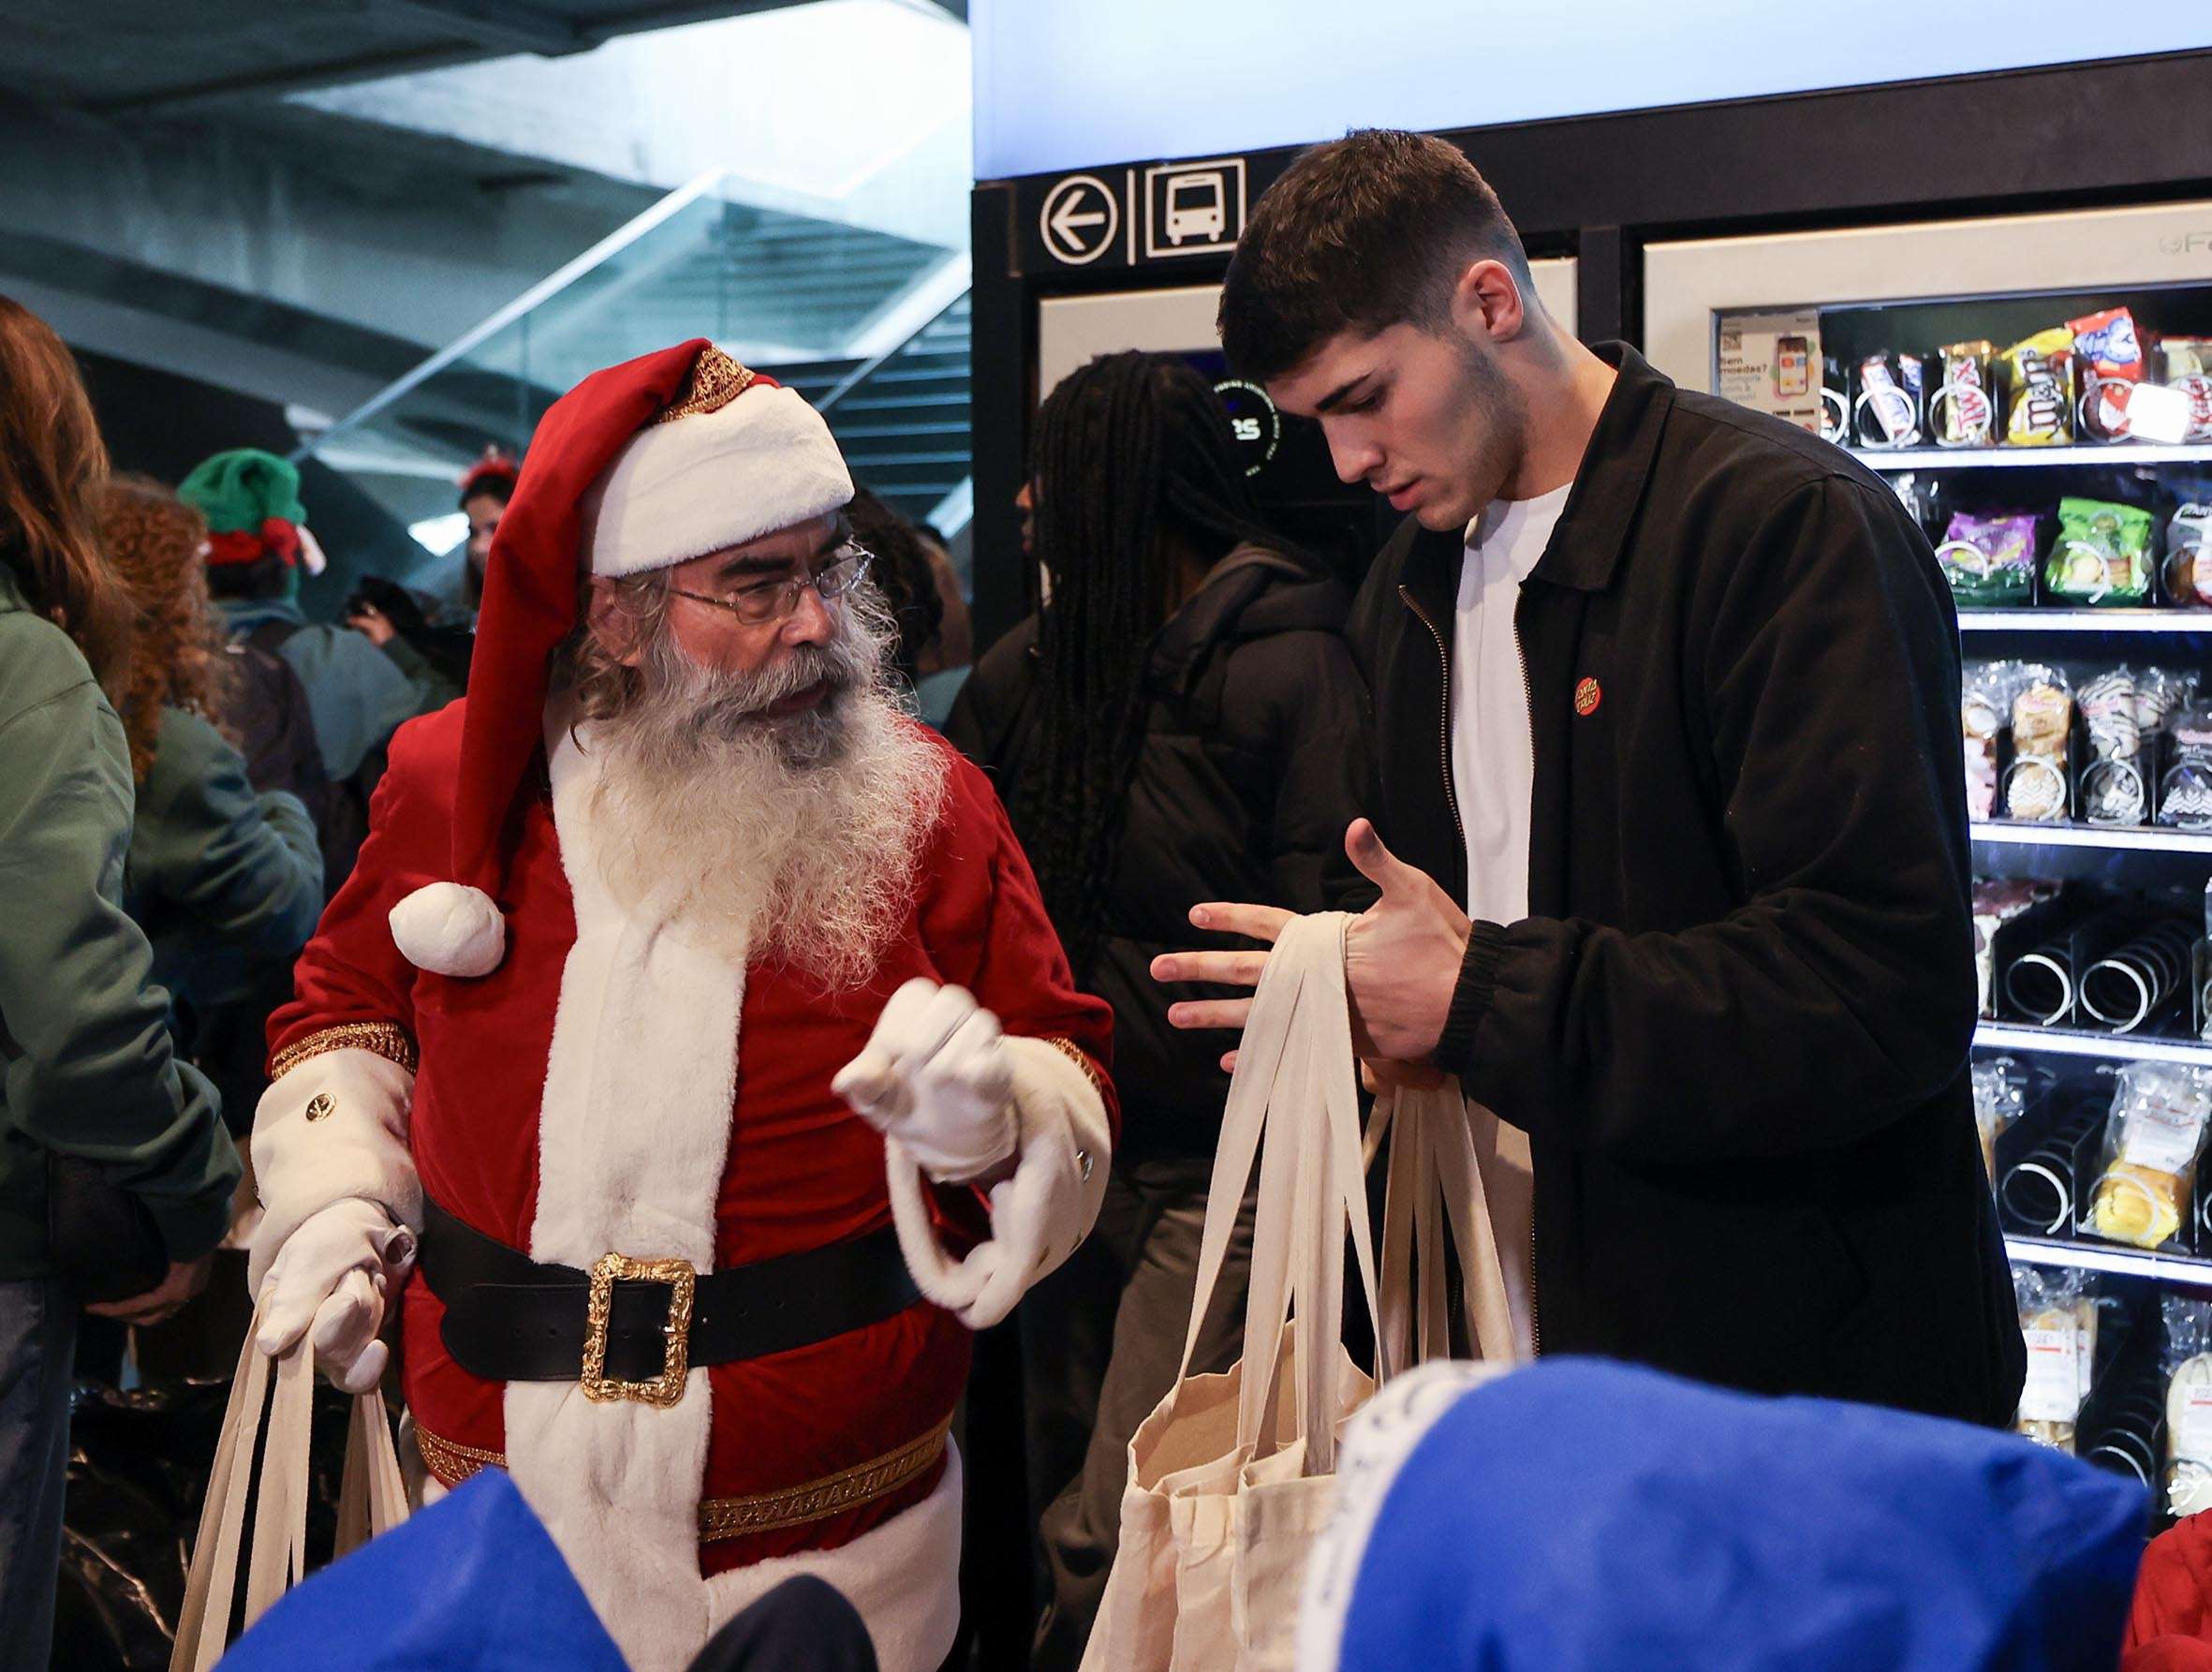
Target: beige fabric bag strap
{"type": "Point", "coordinates": [370, 1501]}
{"type": "Point", "coordinates": [1434, 1185]}
{"type": "Point", "coordinates": [1293, 1086]}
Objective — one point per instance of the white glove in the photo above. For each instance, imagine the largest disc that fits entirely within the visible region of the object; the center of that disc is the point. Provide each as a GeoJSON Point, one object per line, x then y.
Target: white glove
{"type": "Point", "coordinates": [933, 1075]}
{"type": "Point", "coordinates": [332, 1277]}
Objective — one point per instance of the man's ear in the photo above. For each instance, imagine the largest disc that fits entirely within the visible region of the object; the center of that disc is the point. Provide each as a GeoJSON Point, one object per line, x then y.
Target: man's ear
{"type": "Point", "coordinates": [1486, 303]}
{"type": "Point", "coordinates": [610, 623]}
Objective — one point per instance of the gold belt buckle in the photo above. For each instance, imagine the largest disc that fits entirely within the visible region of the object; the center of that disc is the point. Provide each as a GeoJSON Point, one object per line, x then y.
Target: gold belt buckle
{"type": "Point", "coordinates": [666, 1388]}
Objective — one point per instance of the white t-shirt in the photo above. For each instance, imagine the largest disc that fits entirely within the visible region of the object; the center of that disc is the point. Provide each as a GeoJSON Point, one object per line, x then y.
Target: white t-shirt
{"type": "Point", "coordinates": [1494, 780]}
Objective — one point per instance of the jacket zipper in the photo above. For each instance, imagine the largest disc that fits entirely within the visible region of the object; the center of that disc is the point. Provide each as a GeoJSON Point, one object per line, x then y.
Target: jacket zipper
{"type": "Point", "coordinates": [1451, 800]}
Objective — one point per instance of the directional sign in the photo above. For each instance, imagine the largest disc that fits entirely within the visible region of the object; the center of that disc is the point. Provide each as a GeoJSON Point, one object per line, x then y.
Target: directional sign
{"type": "Point", "coordinates": [1080, 219]}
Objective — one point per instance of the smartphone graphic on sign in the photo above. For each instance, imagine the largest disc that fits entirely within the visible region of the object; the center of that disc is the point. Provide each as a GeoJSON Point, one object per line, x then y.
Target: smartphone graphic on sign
{"type": "Point", "coordinates": [1792, 366]}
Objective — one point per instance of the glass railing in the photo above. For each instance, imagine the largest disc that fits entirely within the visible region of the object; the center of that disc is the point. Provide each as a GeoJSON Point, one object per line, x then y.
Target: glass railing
{"type": "Point", "coordinates": [861, 316]}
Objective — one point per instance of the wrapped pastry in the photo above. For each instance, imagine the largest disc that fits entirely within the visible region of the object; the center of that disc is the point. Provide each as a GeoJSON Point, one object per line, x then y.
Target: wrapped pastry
{"type": "Point", "coordinates": [2189, 1404]}
{"type": "Point", "coordinates": [2036, 786]}
{"type": "Point", "coordinates": [2000, 1094]}
{"type": "Point", "coordinates": [2152, 1145]}
{"type": "Point", "coordinates": [2059, 1320]}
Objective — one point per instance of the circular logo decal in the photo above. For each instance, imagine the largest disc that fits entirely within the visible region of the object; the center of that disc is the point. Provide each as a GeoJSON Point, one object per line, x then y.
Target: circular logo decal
{"type": "Point", "coordinates": [1253, 417]}
{"type": "Point", "coordinates": [1586, 697]}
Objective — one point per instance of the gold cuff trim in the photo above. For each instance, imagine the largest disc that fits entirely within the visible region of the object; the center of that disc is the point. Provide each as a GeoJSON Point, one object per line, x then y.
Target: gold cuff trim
{"type": "Point", "coordinates": [388, 1039]}
{"type": "Point", "coordinates": [735, 1517]}
{"type": "Point", "coordinates": [1080, 1057]}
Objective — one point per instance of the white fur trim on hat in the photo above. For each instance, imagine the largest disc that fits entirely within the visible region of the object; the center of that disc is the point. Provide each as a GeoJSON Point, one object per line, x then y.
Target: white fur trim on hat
{"type": "Point", "coordinates": [712, 480]}
{"type": "Point", "coordinates": [449, 928]}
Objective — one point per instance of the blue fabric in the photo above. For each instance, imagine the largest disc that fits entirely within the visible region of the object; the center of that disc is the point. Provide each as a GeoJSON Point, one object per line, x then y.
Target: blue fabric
{"type": "Point", "coordinates": [1581, 1515]}
{"type": "Point", "coordinates": [472, 1581]}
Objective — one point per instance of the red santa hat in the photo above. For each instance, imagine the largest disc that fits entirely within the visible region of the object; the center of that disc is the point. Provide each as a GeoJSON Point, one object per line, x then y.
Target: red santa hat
{"type": "Point", "coordinates": [645, 465]}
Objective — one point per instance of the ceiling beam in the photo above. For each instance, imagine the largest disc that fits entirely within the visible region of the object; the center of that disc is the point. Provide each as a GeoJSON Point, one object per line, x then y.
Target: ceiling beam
{"type": "Point", "coordinates": [499, 25]}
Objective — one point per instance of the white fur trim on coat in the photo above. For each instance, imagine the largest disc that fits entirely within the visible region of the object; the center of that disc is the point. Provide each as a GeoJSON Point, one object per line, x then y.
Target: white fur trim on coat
{"type": "Point", "coordinates": [1039, 1216]}
{"type": "Point", "coordinates": [633, 1136]}
{"type": "Point", "coordinates": [449, 928]}
{"type": "Point", "coordinates": [680, 490]}
{"type": "Point", "coordinates": [358, 1147]}
{"type": "Point", "coordinates": [903, 1578]}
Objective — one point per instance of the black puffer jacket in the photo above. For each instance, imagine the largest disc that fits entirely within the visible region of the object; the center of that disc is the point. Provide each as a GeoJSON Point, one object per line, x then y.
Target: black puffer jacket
{"type": "Point", "coordinates": [1251, 770]}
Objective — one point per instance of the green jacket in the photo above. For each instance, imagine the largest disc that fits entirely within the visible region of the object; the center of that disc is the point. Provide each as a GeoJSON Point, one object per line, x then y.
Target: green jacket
{"type": "Point", "coordinates": [85, 1063]}
{"type": "Point", "coordinates": [217, 874]}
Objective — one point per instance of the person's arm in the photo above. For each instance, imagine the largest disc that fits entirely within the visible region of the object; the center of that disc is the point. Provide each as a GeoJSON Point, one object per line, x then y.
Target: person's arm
{"type": "Point", "coordinates": [245, 868]}
{"type": "Point", "coordinates": [333, 1124]}
{"type": "Point", "coordinates": [1842, 993]}
{"type": "Point", "coordinates": [85, 1041]}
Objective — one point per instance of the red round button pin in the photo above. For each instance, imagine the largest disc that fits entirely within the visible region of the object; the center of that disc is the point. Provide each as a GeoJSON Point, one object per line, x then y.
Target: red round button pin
{"type": "Point", "coordinates": [1587, 696]}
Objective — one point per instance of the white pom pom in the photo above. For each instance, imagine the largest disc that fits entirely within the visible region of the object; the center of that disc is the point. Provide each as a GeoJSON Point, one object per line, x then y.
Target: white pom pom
{"type": "Point", "coordinates": [449, 928]}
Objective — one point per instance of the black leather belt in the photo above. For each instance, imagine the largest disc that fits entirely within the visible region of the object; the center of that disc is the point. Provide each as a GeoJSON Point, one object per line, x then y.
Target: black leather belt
{"type": "Point", "coordinates": [629, 1328]}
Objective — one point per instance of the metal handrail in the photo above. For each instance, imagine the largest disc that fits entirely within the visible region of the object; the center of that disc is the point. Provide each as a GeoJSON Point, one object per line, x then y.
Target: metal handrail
{"type": "Point", "coordinates": [552, 285]}
{"type": "Point", "coordinates": [868, 368]}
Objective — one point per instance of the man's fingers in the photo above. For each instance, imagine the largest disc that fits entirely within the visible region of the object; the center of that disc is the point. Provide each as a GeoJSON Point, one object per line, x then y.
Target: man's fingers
{"type": "Point", "coordinates": [366, 1370]}
{"type": "Point", "coordinates": [867, 1081]}
{"type": "Point", "coordinates": [285, 1322]}
{"type": "Point", "coordinates": [1363, 847]}
{"type": "Point", "coordinates": [1210, 1012]}
{"type": "Point", "coordinates": [345, 1324]}
{"type": "Point", "coordinates": [1257, 923]}
{"type": "Point", "coordinates": [1229, 1063]}
{"type": "Point", "coordinates": [1230, 968]}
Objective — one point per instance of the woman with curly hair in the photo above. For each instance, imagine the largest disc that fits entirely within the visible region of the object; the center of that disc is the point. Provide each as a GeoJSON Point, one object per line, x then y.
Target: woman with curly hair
{"type": "Point", "coordinates": [94, 1102]}
{"type": "Point", "coordinates": [226, 878]}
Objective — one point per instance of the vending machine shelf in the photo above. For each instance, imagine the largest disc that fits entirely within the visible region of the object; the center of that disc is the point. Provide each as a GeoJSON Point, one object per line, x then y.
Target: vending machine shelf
{"type": "Point", "coordinates": [2068, 1042]}
{"type": "Point", "coordinates": [2179, 1269]}
{"type": "Point", "coordinates": [2105, 839]}
{"type": "Point", "coordinates": [2085, 621]}
{"type": "Point", "coordinates": [1982, 458]}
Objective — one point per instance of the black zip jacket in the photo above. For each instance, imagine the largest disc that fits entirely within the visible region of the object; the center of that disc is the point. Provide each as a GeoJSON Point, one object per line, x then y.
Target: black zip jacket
{"type": "Point", "coordinates": [1736, 1023]}
{"type": "Point", "coordinates": [1249, 771]}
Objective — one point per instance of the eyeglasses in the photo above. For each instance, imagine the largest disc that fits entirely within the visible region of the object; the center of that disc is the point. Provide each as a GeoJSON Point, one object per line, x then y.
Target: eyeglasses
{"type": "Point", "coordinates": [774, 601]}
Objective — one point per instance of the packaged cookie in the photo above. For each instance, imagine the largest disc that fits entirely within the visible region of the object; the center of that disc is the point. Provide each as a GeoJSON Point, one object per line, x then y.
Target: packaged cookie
{"type": "Point", "coordinates": [2036, 786]}
{"type": "Point", "coordinates": [2101, 555]}
{"type": "Point", "coordinates": [1986, 709]}
{"type": "Point", "coordinates": [2152, 1143]}
{"type": "Point", "coordinates": [2189, 1404]}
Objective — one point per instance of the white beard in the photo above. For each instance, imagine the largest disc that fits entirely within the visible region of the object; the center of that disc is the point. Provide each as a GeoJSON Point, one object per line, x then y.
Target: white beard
{"type": "Point", "coordinates": [797, 838]}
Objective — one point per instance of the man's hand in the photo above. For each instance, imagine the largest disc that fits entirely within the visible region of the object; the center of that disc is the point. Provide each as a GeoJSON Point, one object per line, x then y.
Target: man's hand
{"type": "Point", "coordinates": [332, 1277]}
{"type": "Point", "coordinates": [932, 1075]}
{"type": "Point", "coordinates": [162, 1302]}
{"type": "Point", "coordinates": [1401, 959]}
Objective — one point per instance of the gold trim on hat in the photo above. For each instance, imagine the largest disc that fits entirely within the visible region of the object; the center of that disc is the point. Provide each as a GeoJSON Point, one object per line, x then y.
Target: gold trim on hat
{"type": "Point", "coordinates": [715, 380]}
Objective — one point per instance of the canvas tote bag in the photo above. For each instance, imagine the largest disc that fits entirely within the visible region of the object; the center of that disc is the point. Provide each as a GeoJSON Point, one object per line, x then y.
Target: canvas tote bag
{"type": "Point", "coordinates": [1231, 1477]}
{"type": "Point", "coordinates": [370, 1498]}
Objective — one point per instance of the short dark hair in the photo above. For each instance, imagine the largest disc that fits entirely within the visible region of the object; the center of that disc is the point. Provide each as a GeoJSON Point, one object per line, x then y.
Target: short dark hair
{"type": "Point", "coordinates": [1360, 234]}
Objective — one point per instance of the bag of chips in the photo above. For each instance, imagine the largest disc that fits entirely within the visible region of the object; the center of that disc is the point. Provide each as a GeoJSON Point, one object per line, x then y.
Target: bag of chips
{"type": "Point", "coordinates": [1990, 561]}
{"type": "Point", "coordinates": [2108, 353]}
{"type": "Point", "coordinates": [2101, 554]}
{"type": "Point", "coordinates": [2152, 1143]}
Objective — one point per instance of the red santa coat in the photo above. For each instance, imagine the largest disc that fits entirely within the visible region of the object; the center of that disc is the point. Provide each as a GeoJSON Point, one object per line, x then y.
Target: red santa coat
{"type": "Point", "coordinates": [796, 1169]}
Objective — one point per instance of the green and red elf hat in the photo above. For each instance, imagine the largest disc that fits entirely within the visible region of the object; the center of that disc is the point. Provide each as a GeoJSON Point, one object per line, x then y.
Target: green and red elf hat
{"type": "Point", "coordinates": [251, 501]}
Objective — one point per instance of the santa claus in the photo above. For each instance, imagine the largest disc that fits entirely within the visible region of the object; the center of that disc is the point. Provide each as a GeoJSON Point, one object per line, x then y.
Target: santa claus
{"type": "Point", "coordinates": [574, 1063]}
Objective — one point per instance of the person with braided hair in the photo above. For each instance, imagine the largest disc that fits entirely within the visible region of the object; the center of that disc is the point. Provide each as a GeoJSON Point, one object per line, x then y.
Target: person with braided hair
{"type": "Point", "coordinates": [1181, 716]}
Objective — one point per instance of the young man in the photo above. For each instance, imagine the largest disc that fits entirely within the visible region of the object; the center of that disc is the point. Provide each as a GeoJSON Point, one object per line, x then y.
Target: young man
{"type": "Point", "coordinates": [1667, 693]}
{"type": "Point", "coordinates": [662, 940]}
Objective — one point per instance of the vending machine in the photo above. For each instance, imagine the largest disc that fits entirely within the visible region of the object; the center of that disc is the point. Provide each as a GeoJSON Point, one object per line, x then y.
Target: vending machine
{"type": "Point", "coordinates": [2037, 389]}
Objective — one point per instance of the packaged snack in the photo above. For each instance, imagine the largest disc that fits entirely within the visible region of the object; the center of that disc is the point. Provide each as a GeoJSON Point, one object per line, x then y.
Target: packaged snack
{"type": "Point", "coordinates": [2101, 554]}
{"type": "Point", "coordinates": [1990, 561]}
{"type": "Point", "coordinates": [2185, 793]}
{"type": "Point", "coordinates": [2039, 372]}
{"type": "Point", "coordinates": [2185, 357]}
{"type": "Point", "coordinates": [2108, 358]}
{"type": "Point", "coordinates": [1835, 400]}
{"type": "Point", "coordinates": [2188, 580]}
{"type": "Point", "coordinates": [1997, 902]}
{"type": "Point", "coordinates": [2113, 789]}
{"type": "Point", "coordinates": [2036, 785]}
{"type": "Point", "coordinates": [1891, 389]}
{"type": "Point", "coordinates": [1986, 705]}
{"type": "Point", "coordinates": [2197, 388]}
{"type": "Point", "coordinates": [2151, 1147]}
{"type": "Point", "coordinates": [1963, 411]}
{"type": "Point", "coordinates": [2000, 1097]}
{"type": "Point", "coordinates": [2059, 1320]}
{"type": "Point", "coordinates": [2188, 1362]}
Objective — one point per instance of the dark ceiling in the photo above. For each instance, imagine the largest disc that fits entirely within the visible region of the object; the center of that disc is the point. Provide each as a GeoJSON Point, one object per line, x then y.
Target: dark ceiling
{"type": "Point", "coordinates": [125, 56]}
